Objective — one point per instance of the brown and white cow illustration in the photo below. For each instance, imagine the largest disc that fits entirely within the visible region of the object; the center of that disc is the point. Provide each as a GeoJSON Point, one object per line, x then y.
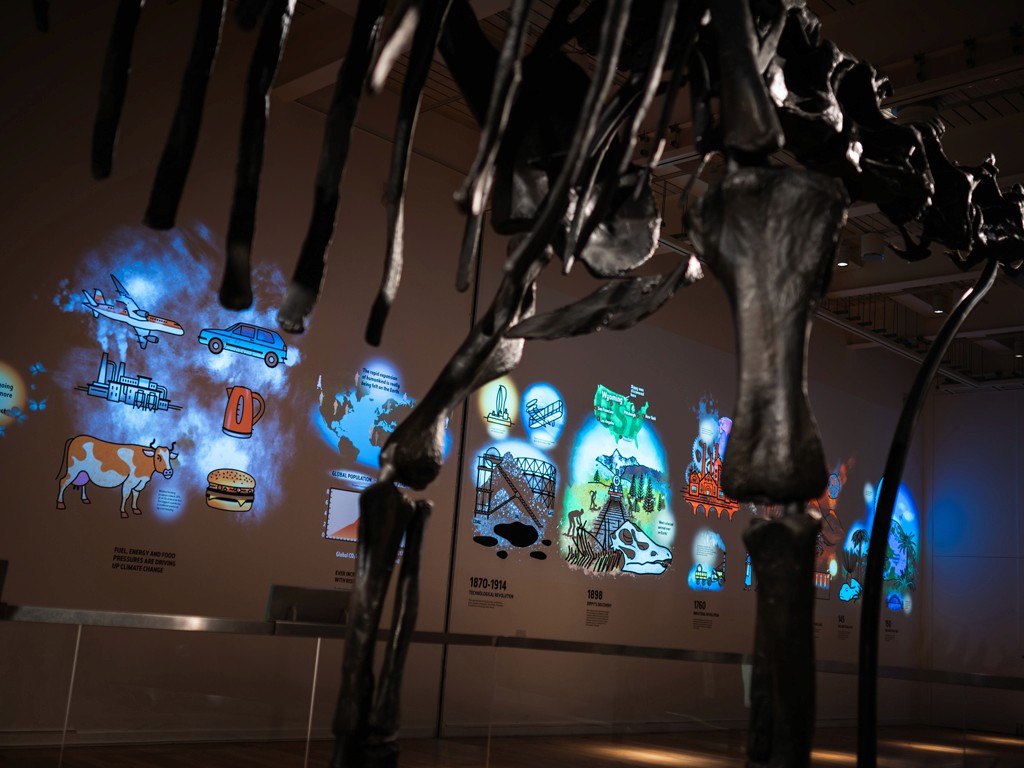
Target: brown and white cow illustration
{"type": "Point", "coordinates": [109, 465]}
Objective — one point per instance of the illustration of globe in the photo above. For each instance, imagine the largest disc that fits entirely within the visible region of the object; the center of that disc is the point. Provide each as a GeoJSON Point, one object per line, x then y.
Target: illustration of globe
{"type": "Point", "coordinates": [358, 420]}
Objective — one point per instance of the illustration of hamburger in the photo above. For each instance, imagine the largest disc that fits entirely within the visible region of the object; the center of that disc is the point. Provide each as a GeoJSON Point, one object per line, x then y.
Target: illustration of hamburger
{"type": "Point", "coordinates": [230, 489]}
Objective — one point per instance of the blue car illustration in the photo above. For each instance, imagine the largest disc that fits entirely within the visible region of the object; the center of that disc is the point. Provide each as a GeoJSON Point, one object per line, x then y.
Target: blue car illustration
{"type": "Point", "coordinates": [247, 340]}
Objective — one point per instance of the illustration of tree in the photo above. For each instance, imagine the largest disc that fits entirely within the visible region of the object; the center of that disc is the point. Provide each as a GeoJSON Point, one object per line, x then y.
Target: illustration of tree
{"type": "Point", "coordinates": [597, 476]}
{"type": "Point", "coordinates": [860, 542]}
{"type": "Point", "coordinates": [661, 501]}
{"type": "Point", "coordinates": [906, 545]}
{"type": "Point", "coordinates": [849, 562]}
{"type": "Point", "coordinates": [649, 500]}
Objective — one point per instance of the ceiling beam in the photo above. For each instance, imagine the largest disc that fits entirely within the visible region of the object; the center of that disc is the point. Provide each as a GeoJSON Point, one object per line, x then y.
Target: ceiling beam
{"type": "Point", "coordinates": [902, 286]}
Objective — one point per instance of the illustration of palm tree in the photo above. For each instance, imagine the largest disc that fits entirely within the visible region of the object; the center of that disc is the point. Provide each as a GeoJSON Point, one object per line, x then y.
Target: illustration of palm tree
{"type": "Point", "coordinates": [906, 544]}
{"type": "Point", "coordinates": [860, 541]}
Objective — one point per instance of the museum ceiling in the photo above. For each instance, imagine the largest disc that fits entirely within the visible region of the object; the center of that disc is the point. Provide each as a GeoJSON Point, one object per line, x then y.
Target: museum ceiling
{"type": "Point", "coordinates": [958, 62]}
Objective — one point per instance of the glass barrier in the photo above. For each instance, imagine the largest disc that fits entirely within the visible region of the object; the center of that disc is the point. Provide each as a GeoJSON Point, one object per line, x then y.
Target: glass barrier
{"type": "Point", "coordinates": [467, 700]}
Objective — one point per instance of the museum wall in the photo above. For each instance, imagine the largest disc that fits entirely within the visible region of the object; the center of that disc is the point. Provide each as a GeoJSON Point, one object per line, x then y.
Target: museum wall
{"type": "Point", "coordinates": [594, 438]}
{"type": "Point", "coordinates": [976, 600]}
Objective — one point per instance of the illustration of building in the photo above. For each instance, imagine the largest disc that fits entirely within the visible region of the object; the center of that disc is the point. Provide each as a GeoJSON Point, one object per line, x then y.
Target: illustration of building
{"type": "Point", "coordinates": [704, 487]}
{"type": "Point", "coordinates": [139, 392]}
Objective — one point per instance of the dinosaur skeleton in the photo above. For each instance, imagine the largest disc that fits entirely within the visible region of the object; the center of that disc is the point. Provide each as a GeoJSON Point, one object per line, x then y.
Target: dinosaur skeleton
{"type": "Point", "coordinates": [555, 165]}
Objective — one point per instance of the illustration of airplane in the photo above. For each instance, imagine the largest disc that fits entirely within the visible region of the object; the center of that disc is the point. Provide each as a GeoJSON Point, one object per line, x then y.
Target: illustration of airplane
{"type": "Point", "coordinates": [123, 309]}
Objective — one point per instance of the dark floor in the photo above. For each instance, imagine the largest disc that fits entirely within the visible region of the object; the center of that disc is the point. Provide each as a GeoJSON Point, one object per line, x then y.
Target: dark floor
{"type": "Point", "coordinates": [931, 747]}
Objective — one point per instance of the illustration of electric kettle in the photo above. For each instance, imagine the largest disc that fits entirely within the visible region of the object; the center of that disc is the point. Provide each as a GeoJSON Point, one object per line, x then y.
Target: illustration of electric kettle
{"type": "Point", "coordinates": [239, 415]}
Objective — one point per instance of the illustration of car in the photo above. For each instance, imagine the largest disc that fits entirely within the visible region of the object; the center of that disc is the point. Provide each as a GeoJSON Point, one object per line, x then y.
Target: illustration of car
{"type": "Point", "coordinates": [247, 340]}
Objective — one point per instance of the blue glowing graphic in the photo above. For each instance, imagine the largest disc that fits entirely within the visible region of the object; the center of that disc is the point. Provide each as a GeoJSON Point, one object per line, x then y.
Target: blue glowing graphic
{"type": "Point", "coordinates": [545, 414]}
{"type": "Point", "coordinates": [853, 560]}
{"type": "Point", "coordinates": [617, 514]}
{"type": "Point", "coordinates": [900, 571]}
{"type": "Point", "coordinates": [123, 309]}
{"type": "Point", "coordinates": [902, 553]}
{"type": "Point", "coordinates": [246, 339]}
{"type": "Point", "coordinates": [19, 400]}
{"type": "Point", "coordinates": [514, 499]}
{"type": "Point", "coordinates": [708, 571]}
{"type": "Point", "coordinates": [177, 272]}
{"type": "Point", "coordinates": [114, 385]}
{"type": "Point", "coordinates": [357, 416]}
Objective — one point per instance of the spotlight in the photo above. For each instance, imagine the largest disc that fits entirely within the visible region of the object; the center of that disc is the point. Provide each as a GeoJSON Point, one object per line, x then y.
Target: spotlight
{"type": "Point", "coordinates": [941, 303]}
{"type": "Point", "coordinates": [848, 256]}
{"type": "Point", "coordinates": [872, 247]}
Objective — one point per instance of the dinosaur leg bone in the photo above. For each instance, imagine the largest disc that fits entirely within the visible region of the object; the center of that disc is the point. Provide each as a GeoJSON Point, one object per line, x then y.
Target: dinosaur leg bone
{"type": "Point", "coordinates": [770, 234]}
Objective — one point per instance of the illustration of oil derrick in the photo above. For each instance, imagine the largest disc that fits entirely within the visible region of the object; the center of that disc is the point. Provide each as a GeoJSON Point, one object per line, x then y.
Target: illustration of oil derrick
{"type": "Point", "coordinates": [527, 484]}
{"type": "Point", "coordinates": [542, 416]}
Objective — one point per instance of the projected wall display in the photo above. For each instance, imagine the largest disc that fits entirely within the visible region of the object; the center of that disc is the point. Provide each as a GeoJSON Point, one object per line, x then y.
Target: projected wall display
{"type": "Point", "coordinates": [342, 519]}
{"type": "Point", "coordinates": [112, 465]}
{"type": "Point", "coordinates": [125, 310]}
{"type": "Point", "coordinates": [708, 557]}
{"type": "Point", "coordinates": [192, 421]}
{"type": "Point", "coordinates": [703, 489]}
{"type": "Point", "coordinates": [356, 415]}
{"type": "Point", "coordinates": [545, 414]}
{"type": "Point", "coordinates": [902, 552]}
{"type": "Point", "coordinates": [115, 386]}
{"type": "Point", "coordinates": [829, 543]}
{"type": "Point", "coordinates": [514, 478]}
{"type": "Point", "coordinates": [20, 398]}
{"type": "Point", "coordinates": [498, 406]}
{"type": "Point", "coordinates": [514, 499]}
{"type": "Point", "coordinates": [617, 515]}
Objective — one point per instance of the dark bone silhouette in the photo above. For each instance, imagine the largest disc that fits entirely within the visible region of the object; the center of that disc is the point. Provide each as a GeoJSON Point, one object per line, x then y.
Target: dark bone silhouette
{"type": "Point", "coordinates": [555, 161]}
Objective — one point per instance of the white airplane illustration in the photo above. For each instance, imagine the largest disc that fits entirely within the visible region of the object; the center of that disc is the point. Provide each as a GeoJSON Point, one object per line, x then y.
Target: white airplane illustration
{"type": "Point", "coordinates": [123, 309]}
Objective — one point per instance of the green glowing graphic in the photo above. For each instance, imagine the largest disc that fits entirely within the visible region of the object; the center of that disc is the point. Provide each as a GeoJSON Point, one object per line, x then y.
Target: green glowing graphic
{"type": "Point", "coordinates": [618, 413]}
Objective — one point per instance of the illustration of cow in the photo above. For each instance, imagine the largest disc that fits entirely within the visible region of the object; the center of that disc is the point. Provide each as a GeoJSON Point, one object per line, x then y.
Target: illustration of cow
{"type": "Point", "coordinates": [109, 465]}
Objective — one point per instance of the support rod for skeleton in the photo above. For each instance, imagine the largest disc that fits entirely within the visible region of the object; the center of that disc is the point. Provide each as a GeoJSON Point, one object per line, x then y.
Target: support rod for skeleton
{"type": "Point", "coordinates": [867, 679]}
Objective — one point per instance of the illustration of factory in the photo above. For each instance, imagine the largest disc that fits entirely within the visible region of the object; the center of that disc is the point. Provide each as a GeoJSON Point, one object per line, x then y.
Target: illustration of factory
{"type": "Point", "coordinates": [139, 392]}
{"type": "Point", "coordinates": [704, 487]}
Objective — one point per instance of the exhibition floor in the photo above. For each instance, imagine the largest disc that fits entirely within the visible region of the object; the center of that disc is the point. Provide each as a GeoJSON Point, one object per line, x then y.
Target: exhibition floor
{"type": "Point", "coordinates": [898, 748]}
